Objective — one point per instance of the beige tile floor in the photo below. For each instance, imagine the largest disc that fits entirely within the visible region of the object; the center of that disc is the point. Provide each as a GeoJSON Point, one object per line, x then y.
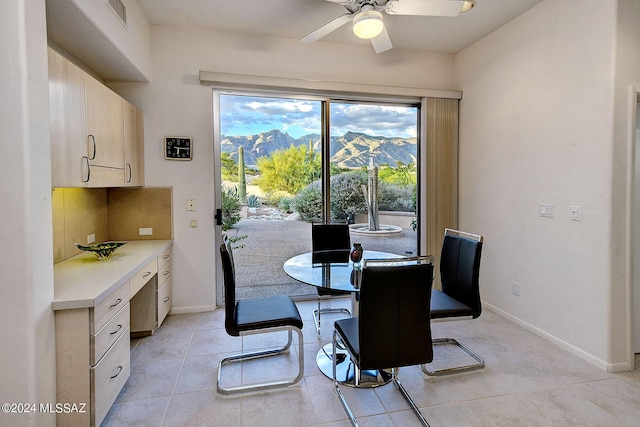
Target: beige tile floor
{"type": "Point", "coordinates": [527, 382]}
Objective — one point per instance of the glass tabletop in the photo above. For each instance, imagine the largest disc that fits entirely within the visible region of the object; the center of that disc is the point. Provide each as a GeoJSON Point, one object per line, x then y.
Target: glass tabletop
{"type": "Point", "coordinates": [331, 275]}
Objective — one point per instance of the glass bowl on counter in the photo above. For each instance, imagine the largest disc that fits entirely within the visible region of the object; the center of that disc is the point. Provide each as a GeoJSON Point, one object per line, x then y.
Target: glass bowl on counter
{"type": "Point", "coordinates": [102, 250]}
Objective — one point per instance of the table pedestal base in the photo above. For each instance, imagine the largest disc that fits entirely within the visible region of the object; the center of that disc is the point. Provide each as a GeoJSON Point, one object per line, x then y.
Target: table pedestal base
{"type": "Point", "coordinates": [347, 373]}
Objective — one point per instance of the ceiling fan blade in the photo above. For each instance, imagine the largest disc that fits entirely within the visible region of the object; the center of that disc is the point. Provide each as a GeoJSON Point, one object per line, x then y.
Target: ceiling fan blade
{"type": "Point", "coordinates": [381, 42]}
{"type": "Point", "coordinates": [424, 7]}
{"type": "Point", "coordinates": [327, 28]}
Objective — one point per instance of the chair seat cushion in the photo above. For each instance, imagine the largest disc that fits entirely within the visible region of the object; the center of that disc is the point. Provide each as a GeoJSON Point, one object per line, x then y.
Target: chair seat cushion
{"type": "Point", "coordinates": [270, 312]}
{"type": "Point", "coordinates": [442, 306]}
{"type": "Point", "coordinates": [348, 330]}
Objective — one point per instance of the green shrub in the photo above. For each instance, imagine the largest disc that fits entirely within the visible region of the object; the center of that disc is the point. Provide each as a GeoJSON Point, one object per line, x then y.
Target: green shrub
{"type": "Point", "coordinates": [288, 170]}
{"type": "Point", "coordinates": [347, 197]}
{"type": "Point", "coordinates": [253, 201]}
{"type": "Point", "coordinates": [273, 198]}
{"type": "Point", "coordinates": [395, 197]}
{"type": "Point", "coordinates": [285, 204]}
{"type": "Point", "coordinates": [230, 208]}
{"type": "Point", "coordinates": [308, 202]}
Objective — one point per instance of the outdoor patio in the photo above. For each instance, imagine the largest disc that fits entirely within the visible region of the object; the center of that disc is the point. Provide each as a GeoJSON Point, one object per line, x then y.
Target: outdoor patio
{"type": "Point", "coordinates": [270, 243]}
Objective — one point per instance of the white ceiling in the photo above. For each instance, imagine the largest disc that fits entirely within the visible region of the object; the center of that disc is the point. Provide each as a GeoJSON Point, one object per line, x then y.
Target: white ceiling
{"type": "Point", "coordinates": [295, 18]}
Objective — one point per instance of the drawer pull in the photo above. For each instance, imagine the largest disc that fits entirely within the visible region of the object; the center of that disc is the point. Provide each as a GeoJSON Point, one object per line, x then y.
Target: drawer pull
{"type": "Point", "coordinates": [118, 301]}
{"type": "Point", "coordinates": [116, 330]}
{"type": "Point", "coordinates": [165, 273]}
{"type": "Point", "coordinates": [147, 274]}
{"type": "Point", "coordinates": [166, 299]}
{"type": "Point", "coordinates": [165, 256]}
{"type": "Point", "coordinates": [118, 372]}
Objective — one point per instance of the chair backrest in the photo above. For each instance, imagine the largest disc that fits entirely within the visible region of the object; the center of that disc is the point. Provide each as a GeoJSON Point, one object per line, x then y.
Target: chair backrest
{"type": "Point", "coordinates": [229, 277]}
{"type": "Point", "coordinates": [330, 242]}
{"type": "Point", "coordinates": [393, 320]}
{"type": "Point", "coordinates": [460, 268]}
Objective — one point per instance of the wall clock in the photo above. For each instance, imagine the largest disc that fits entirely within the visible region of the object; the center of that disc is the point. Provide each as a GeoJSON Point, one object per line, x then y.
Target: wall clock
{"type": "Point", "coordinates": [178, 148]}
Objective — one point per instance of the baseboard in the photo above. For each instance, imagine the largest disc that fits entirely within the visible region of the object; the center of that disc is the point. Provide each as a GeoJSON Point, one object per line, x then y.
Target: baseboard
{"type": "Point", "coordinates": [192, 309]}
{"type": "Point", "coordinates": [606, 366]}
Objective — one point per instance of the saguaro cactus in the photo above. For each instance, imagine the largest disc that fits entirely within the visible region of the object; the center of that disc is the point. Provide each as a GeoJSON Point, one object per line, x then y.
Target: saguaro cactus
{"type": "Point", "coordinates": [242, 180]}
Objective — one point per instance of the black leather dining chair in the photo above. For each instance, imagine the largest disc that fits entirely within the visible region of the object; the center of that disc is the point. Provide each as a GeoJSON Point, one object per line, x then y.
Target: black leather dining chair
{"type": "Point", "coordinates": [330, 243]}
{"type": "Point", "coordinates": [460, 294]}
{"type": "Point", "coordinates": [257, 316]}
{"type": "Point", "coordinates": [393, 328]}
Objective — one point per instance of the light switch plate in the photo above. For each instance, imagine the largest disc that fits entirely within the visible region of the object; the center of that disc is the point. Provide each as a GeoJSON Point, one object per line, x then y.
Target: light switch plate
{"type": "Point", "coordinates": [145, 231]}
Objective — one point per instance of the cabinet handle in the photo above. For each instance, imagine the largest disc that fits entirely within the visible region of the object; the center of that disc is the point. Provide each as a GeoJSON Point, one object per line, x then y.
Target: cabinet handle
{"type": "Point", "coordinates": [130, 173]}
{"type": "Point", "coordinates": [118, 301]}
{"type": "Point", "coordinates": [147, 274]}
{"type": "Point", "coordinates": [93, 139]}
{"type": "Point", "coordinates": [116, 330]}
{"type": "Point", "coordinates": [165, 273]}
{"type": "Point", "coordinates": [165, 256]}
{"type": "Point", "coordinates": [86, 159]}
{"type": "Point", "coordinates": [166, 299]}
{"type": "Point", "coordinates": [117, 373]}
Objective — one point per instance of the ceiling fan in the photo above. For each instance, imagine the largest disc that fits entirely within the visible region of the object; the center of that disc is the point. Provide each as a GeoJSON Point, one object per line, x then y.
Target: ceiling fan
{"type": "Point", "coordinates": [368, 20]}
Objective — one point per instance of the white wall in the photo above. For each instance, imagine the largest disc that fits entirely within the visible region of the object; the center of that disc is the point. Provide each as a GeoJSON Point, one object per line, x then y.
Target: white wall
{"type": "Point", "coordinates": [537, 124]}
{"type": "Point", "coordinates": [625, 218]}
{"type": "Point", "coordinates": [27, 359]}
{"type": "Point", "coordinates": [175, 103]}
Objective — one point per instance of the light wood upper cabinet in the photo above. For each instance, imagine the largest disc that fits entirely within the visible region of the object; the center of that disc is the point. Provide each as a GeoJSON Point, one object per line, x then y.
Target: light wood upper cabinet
{"type": "Point", "coordinates": [69, 157]}
{"type": "Point", "coordinates": [91, 128]}
{"type": "Point", "coordinates": [104, 125]}
{"type": "Point", "coordinates": [133, 145]}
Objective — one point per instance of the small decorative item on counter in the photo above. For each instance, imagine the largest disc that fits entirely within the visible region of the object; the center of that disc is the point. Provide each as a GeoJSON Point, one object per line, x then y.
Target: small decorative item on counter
{"type": "Point", "coordinates": [356, 254]}
{"type": "Point", "coordinates": [101, 250]}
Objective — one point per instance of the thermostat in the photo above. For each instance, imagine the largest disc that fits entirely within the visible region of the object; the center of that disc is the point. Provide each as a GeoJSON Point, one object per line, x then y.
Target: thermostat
{"type": "Point", "coordinates": [178, 148]}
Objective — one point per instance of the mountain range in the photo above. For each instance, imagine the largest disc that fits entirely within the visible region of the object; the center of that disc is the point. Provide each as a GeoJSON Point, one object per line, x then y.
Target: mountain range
{"type": "Point", "coordinates": [352, 150]}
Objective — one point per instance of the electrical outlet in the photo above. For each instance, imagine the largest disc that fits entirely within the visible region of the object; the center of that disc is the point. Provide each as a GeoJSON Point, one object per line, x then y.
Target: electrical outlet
{"type": "Point", "coordinates": [145, 231]}
{"type": "Point", "coordinates": [546, 210]}
{"type": "Point", "coordinates": [515, 289]}
{"type": "Point", "coordinates": [191, 205]}
{"type": "Point", "coordinates": [91, 238]}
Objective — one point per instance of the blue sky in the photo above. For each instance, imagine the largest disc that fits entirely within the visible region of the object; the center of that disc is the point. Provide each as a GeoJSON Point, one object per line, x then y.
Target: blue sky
{"type": "Point", "coordinates": [249, 115]}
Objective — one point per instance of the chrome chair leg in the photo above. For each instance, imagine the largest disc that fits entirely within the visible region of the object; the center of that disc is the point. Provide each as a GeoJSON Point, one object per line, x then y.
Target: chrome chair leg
{"type": "Point", "coordinates": [317, 312]}
{"type": "Point", "coordinates": [264, 353]}
{"type": "Point", "coordinates": [396, 382]}
{"type": "Point", "coordinates": [457, 369]}
{"type": "Point", "coordinates": [399, 386]}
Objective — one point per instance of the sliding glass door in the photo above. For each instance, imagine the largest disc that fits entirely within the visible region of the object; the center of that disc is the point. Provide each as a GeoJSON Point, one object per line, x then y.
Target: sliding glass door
{"type": "Point", "coordinates": [286, 161]}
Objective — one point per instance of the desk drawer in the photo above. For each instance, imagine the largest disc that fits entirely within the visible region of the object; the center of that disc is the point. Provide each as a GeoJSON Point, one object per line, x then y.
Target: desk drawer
{"type": "Point", "coordinates": [142, 276]}
{"type": "Point", "coordinates": [163, 273]}
{"type": "Point", "coordinates": [109, 376]}
{"type": "Point", "coordinates": [108, 307]}
{"type": "Point", "coordinates": [164, 301]}
{"type": "Point", "coordinates": [109, 334]}
{"type": "Point", "coordinates": [164, 257]}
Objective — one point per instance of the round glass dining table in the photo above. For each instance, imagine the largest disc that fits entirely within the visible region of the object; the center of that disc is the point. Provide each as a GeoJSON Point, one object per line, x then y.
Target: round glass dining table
{"type": "Point", "coordinates": [339, 276]}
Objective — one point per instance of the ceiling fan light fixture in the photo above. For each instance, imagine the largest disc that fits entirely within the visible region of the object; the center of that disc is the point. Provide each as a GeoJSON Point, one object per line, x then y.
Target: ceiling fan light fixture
{"type": "Point", "coordinates": [367, 24]}
{"type": "Point", "coordinates": [467, 6]}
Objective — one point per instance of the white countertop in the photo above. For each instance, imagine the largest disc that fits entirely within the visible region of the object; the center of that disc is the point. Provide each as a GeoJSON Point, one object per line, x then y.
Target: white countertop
{"type": "Point", "coordinates": [82, 281]}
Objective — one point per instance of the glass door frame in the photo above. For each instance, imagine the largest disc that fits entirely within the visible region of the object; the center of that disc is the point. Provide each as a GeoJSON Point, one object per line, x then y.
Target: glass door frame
{"type": "Point", "coordinates": [326, 101]}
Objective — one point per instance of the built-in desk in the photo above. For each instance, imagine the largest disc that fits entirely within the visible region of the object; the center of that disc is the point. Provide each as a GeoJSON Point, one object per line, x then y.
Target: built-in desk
{"type": "Point", "coordinates": [97, 304]}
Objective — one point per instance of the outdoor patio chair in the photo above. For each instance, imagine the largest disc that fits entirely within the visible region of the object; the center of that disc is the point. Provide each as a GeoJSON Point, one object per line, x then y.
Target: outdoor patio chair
{"type": "Point", "coordinates": [257, 316]}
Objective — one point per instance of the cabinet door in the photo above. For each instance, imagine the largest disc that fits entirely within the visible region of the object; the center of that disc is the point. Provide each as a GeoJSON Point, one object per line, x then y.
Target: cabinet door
{"type": "Point", "coordinates": [69, 160]}
{"type": "Point", "coordinates": [133, 146]}
{"type": "Point", "coordinates": [104, 126]}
